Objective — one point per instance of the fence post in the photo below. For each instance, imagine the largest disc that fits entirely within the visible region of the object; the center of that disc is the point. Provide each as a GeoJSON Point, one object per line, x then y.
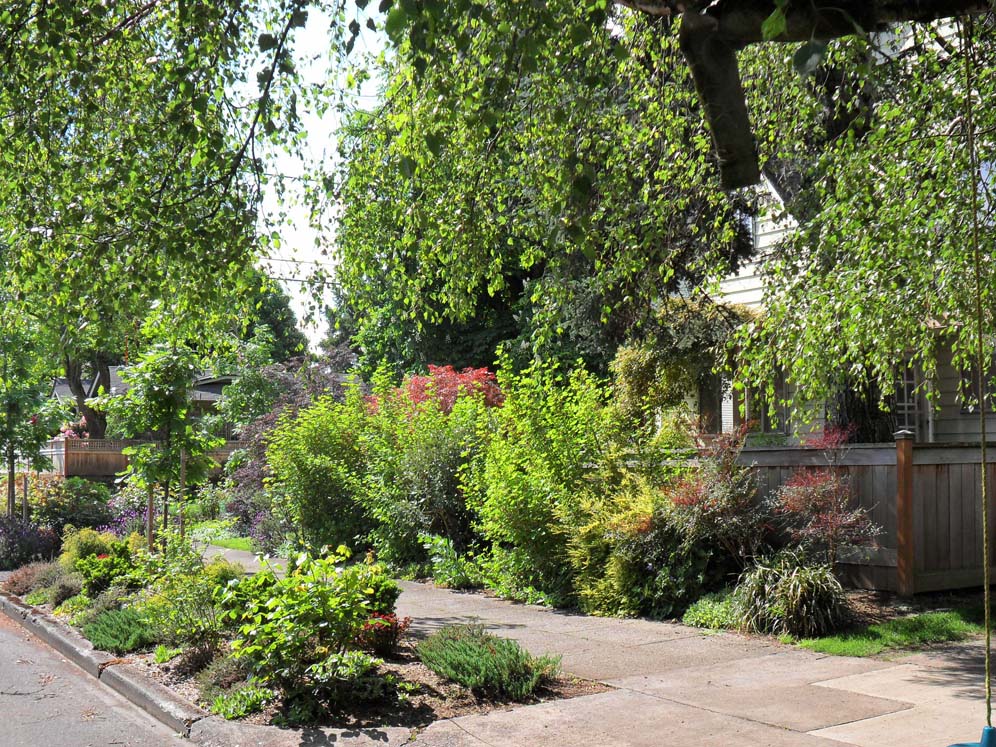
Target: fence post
{"type": "Point", "coordinates": [906, 585]}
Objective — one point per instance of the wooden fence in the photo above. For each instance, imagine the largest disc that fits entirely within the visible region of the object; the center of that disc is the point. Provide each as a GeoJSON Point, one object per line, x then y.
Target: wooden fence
{"type": "Point", "coordinates": [926, 498]}
{"type": "Point", "coordinates": [103, 458]}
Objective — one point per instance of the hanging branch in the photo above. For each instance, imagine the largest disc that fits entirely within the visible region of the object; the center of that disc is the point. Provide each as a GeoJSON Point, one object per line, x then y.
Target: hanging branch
{"type": "Point", "coordinates": [967, 30]}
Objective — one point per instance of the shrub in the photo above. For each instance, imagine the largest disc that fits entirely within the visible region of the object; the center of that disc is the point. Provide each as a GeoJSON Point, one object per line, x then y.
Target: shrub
{"type": "Point", "coordinates": [381, 590]}
{"type": "Point", "coordinates": [789, 596]}
{"type": "Point", "coordinates": [486, 664]}
{"type": "Point", "coordinates": [74, 500]}
{"type": "Point", "coordinates": [112, 599]}
{"type": "Point", "coordinates": [818, 507]}
{"type": "Point", "coordinates": [317, 462]}
{"type": "Point", "coordinates": [181, 609]}
{"type": "Point", "coordinates": [119, 631]}
{"type": "Point", "coordinates": [222, 674]}
{"type": "Point", "coordinates": [634, 558]}
{"type": "Point", "coordinates": [100, 571]}
{"type": "Point", "coordinates": [26, 578]}
{"type": "Point", "coordinates": [715, 611]}
{"type": "Point", "coordinates": [415, 453]}
{"type": "Point", "coordinates": [444, 385]}
{"type": "Point", "coordinates": [532, 477]}
{"type": "Point", "coordinates": [83, 543]}
{"type": "Point", "coordinates": [23, 542]}
{"type": "Point", "coordinates": [716, 503]}
{"type": "Point", "coordinates": [65, 587]}
{"type": "Point", "coordinates": [295, 634]}
{"type": "Point", "coordinates": [382, 633]}
{"type": "Point", "coordinates": [128, 509]}
{"type": "Point", "coordinates": [449, 569]}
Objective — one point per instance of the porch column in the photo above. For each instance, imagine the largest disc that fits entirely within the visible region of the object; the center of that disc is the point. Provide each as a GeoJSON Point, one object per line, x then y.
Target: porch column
{"type": "Point", "coordinates": [904, 514]}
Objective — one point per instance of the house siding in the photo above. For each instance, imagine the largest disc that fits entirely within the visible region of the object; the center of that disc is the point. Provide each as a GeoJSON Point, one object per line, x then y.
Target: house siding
{"type": "Point", "coordinates": [950, 423]}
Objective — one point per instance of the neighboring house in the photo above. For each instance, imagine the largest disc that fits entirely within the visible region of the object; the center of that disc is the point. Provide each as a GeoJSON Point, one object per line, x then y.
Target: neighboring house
{"type": "Point", "coordinates": [949, 420]}
{"type": "Point", "coordinates": [103, 458]}
{"type": "Point", "coordinates": [205, 394]}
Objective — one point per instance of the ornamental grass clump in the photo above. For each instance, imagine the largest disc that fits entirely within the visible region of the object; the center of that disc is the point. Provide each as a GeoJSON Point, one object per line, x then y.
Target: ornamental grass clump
{"type": "Point", "coordinates": [788, 595]}
{"type": "Point", "coordinates": [488, 665]}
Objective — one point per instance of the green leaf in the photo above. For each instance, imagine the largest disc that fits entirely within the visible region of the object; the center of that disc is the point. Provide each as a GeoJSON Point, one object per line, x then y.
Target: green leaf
{"type": "Point", "coordinates": [266, 42]}
{"type": "Point", "coordinates": [774, 25]}
{"type": "Point", "coordinates": [397, 21]}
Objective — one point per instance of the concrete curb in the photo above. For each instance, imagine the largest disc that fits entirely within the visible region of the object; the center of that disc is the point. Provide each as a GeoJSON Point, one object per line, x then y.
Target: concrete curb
{"type": "Point", "coordinates": [153, 698]}
{"type": "Point", "coordinates": [125, 679]}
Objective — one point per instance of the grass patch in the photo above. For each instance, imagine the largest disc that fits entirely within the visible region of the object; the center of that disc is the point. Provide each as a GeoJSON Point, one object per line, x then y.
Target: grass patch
{"type": "Point", "coordinates": [218, 532]}
{"type": "Point", "coordinates": [913, 631]}
{"type": "Point", "coordinates": [233, 543]}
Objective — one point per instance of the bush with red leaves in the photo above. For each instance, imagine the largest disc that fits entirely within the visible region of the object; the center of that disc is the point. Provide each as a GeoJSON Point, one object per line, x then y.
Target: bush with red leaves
{"type": "Point", "coordinates": [818, 505]}
{"type": "Point", "coordinates": [382, 633]}
{"type": "Point", "coordinates": [445, 384]}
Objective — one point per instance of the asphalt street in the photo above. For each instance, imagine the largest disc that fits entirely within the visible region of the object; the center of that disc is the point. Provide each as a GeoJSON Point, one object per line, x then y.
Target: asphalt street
{"type": "Point", "coordinates": [45, 701]}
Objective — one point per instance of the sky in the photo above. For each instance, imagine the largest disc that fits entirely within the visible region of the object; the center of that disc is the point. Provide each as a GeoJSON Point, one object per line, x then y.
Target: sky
{"type": "Point", "coordinates": [303, 249]}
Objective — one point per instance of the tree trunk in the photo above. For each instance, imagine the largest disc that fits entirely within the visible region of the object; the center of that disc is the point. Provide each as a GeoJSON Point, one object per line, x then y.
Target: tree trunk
{"type": "Point", "coordinates": [181, 490]}
{"type": "Point", "coordinates": [166, 506]}
{"type": "Point", "coordinates": [11, 487]}
{"type": "Point", "coordinates": [24, 497]}
{"type": "Point", "coordinates": [96, 421]}
{"type": "Point", "coordinates": [150, 516]}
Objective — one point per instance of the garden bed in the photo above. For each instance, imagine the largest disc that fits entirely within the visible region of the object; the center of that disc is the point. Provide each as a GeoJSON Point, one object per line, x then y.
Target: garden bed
{"type": "Point", "coordinates": [424, 696]}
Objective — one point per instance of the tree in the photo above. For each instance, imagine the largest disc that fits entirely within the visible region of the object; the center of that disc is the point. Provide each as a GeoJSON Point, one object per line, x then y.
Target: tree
{"type": "Point", "coordinates": [27, 418]}
{"type": "Point", "coordinates": [270, 307]}
{"type": "Point", "coordinates": [712, 33]}
{"type": "Point", "coordinates": [125, 184]}
{"type": "Point", "coordinates": [877, 274]}
{"type": "Point", "coordinates": [572, 196]}
{"type": "Point", "coordinates": [158, 405]}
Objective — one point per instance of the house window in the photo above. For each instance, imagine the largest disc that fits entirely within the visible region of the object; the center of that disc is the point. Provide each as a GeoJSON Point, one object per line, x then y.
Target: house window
{"type": "Point", "coordinates": [710, 403]}
{"type": "Point", "coordinates": [906, 400]}
{"type": "Point", "coordinates": [759, 413]}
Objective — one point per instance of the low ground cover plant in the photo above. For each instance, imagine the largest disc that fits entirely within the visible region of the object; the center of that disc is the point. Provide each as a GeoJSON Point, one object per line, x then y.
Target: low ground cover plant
{"type": "Point", "coordinates": [119, 631]}
{"type": "Point", "coordinates": [716, 611]}
{"type": "Point", "coordinates": [486, 664]}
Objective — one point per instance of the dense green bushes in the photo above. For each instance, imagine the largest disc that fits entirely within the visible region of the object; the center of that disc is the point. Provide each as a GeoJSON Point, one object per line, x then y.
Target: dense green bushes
{"type": "Point", "coordinates": [297, 632]}
{"type": "Point", "coordinates": [565, 489]}
{"type": "Point", "coordinates": [557, 495]}
{"type": "Point", "coordinates": [318, 464]}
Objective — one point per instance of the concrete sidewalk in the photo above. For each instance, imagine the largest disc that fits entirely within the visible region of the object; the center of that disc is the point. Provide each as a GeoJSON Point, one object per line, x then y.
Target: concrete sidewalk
{"type": "Point", "coordinates": [678, 686]}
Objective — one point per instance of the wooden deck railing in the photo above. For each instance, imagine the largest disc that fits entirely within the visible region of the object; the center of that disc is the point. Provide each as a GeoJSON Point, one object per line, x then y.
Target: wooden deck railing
{"type": "Point", "coordinates": [100, 457]}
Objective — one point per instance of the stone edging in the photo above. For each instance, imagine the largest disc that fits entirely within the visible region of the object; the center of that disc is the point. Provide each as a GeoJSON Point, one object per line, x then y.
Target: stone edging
{"type": "Point", "coordinates": [117, 674]}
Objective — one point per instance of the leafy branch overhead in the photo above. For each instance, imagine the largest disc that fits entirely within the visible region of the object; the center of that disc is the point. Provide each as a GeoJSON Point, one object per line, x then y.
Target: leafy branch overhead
{"type": "Point", "coordinates": [711, 33]}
